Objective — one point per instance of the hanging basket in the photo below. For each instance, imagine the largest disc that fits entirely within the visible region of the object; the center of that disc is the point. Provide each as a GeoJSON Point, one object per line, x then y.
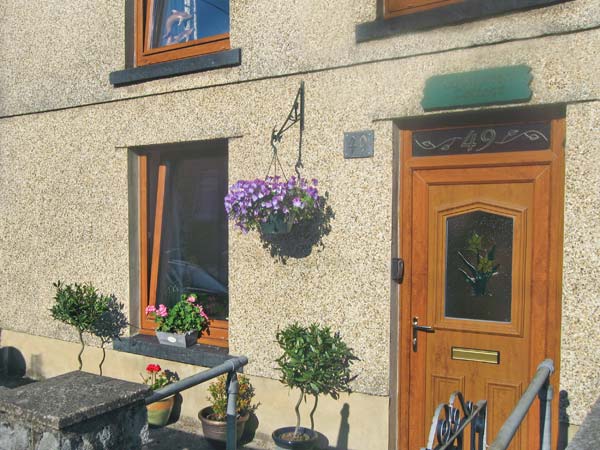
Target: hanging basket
{"type": "Point", "coordinates": [277, 224]}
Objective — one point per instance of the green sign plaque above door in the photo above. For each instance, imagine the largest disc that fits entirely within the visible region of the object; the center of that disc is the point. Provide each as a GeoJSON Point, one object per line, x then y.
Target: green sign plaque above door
{"type": "Point", "coordinates": [494, 86]}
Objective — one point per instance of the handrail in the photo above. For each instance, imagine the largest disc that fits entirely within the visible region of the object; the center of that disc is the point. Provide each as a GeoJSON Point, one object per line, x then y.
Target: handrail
{"type": "Point", "coordinates": [539, 385]}
{"type": "Point", "coordinates": [229, 367]}
{"type": "Point", "coordinates": [450, 422]}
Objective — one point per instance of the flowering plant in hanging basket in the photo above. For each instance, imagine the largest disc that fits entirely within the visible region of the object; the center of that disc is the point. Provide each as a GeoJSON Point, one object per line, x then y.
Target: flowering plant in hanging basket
{"type": "Point", "coordinates": [272, 205]}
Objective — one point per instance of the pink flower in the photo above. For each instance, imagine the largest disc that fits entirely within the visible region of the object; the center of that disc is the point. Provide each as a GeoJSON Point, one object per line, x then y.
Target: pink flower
{"type": "Point", "coordinates": [191, 299]}
{"type": "Point", "coordinates": [201, 311]}
{"type": "Point", "coordinates": [150, 309]}
{"type": "Point", "coordinates": [162, 311]}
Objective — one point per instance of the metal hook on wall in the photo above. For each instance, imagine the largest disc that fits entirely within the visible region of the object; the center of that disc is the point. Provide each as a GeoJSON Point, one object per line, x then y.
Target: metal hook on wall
{"type": "Point", "coordinates": [296, 115]}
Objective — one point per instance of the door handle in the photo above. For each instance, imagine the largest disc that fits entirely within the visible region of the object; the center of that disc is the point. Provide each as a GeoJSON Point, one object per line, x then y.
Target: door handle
{"type": "Point", "coordinates": [415, 330]}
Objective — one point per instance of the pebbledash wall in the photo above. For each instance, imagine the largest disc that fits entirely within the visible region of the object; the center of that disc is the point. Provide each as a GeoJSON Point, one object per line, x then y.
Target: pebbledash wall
{"type": "Point", "coordinates": [65, 132]}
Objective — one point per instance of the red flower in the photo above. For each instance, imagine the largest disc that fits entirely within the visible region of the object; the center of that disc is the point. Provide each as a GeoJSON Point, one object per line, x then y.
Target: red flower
{"type": "Point", "coordinates": [153, 368]}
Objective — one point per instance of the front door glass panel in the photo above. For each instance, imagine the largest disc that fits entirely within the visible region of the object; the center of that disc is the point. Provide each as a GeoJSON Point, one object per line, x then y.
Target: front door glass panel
{"type": "Point", "coordinates": [478, 267]}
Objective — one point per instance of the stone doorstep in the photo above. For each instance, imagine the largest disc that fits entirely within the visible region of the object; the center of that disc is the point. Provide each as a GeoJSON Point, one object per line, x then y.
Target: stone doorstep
{"type": "Point", "coordinates": [69, 399]}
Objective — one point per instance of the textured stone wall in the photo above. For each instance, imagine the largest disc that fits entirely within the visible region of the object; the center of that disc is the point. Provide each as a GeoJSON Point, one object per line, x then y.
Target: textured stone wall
{"type": "Point", "coordinates": [74, 49]}
{"type": "Point", "coordinates": [124, 429]}
{"type": "Point", "coordinates": [74, 411]}
{"type": "Point", "coordinates": [63, 173]}
{"type": "Point", "coordinates": [580, 357]}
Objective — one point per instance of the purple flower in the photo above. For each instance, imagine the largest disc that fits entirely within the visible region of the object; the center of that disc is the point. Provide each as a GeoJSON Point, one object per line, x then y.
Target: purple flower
{"type": "Point", "coordinates": [250, 202]}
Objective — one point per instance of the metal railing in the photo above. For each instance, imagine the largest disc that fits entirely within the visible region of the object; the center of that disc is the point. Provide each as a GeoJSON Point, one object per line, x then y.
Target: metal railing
{"type": "Point", "coordinates": [447, 432]}
{"type": "Point", "coordinates": [230, 367]}
{"type": "Point", "coordinates": [539, 386]}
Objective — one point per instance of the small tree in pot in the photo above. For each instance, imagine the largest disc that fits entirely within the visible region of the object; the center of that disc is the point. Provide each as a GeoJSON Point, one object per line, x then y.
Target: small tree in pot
{"type": "Point", "coordinates": [81, 306]}
{"type": "Point", "coordinates": [315, 361]}
{"type": "Point", "coordinates": [214, 417]}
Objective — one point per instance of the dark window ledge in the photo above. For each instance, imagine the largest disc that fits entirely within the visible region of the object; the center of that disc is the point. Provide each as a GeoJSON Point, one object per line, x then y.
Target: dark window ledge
{"type": "Point", "coordinates": [197, 355]}
{"type": "Point", "coordinates": [445, 15]}
{"type": "Point", "coordinates": [228, 58]}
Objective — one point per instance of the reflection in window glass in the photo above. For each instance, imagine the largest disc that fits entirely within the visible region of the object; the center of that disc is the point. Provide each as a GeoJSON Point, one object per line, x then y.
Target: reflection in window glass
{"type": "Point", "coordinates": [478, 268]}
{"type": "Point", "coordinates": [180, 21]}
{"type": "Point", "coordinates": [193, 255]}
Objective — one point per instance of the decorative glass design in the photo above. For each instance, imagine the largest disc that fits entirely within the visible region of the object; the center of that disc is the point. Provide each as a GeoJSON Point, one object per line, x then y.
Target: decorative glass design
{"type": "Point", "coordinates": [479, 248]}
{"type": "Point", "coordinates": [486, 139]}
{"type": "Point", "coordinates": [180, 21]}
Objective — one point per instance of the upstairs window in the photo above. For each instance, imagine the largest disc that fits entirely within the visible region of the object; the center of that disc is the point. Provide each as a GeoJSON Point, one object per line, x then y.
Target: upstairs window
{"type": "Point", "coordinates": [401, 7]}
{"type": "Point", "coordinates": [167, 30]}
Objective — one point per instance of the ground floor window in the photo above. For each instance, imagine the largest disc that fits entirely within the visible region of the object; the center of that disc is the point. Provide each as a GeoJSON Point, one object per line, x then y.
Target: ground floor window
{"type": "Point", "coordinates": [183, 230]}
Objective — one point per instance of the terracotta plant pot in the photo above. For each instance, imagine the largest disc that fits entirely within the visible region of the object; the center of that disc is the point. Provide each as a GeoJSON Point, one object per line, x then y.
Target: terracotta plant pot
{"type": "Point", "coordinates": [160, 411]}
{"type": "Point", "coordinates": [215, 430]}
{"type": "Point", "coordinates": [283, 441]}
{"type": "Point", "coordinates": [176, 339]}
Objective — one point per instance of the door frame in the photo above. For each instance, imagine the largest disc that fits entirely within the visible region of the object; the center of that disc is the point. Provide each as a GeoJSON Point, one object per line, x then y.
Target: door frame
{"type": "Point", "coordinates": [405, 163]}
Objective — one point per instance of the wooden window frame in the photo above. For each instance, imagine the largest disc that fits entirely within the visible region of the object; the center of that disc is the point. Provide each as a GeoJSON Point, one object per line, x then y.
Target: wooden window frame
{"type": "Point", "coordinates": [145, 55]}
{"type": "Point", "coordinates": [394, 8]}
{"type": "Point", "coordinates": [148, 276]}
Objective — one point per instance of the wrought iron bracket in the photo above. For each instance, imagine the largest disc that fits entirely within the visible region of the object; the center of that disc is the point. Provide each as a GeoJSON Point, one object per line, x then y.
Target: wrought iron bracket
{"type": "Point", "coordinates": [296, 115]}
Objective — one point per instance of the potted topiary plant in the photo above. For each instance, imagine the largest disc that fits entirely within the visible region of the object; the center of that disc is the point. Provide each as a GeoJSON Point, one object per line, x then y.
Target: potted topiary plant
{"type": "Point", "coordinates": [214, 417]}
{"type": "Point", "coordinates": [160, 411]}
{"type": "Point", "coordinates": [182, 325]}
{"type": "Point", "coordinates": [271, 205]}
{"type": "Point", "coordinates": [315, 361]}
{"type": "Point", "coordinates": [83, 307]}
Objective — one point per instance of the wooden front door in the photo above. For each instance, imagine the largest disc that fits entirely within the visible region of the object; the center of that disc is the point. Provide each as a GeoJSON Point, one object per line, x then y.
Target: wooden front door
{"type": "Point", "coordinates": [481, 236]}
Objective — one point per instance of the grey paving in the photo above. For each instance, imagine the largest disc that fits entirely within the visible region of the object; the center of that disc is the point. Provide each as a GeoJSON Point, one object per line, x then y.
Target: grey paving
{"type": "Point", "coordinates": [588, 436]}
{"type": "Point", "coordinates": [186, 435]}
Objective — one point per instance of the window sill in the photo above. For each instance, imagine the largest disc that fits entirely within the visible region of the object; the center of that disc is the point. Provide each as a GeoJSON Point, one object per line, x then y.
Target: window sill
{"type": "Point", "coordinates": [197, 355]}
{"type": "Point", "coordinates": [445, 15]}
{"type": "Point", "coordinates": [228, 58]}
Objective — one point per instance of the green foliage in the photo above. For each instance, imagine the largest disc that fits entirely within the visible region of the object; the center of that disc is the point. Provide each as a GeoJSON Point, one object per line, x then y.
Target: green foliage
{"type": "Point", "coordinates": [218, 397]}
{"type": "Point", "coordinates": [161, 379]}
{"type": "Point", "coordinates": [315, 361]}
{"type": "Point", "coordinates": [83, 307]}
{"type": "Point", "coordinates": [183, 317]}
{"type": "Point", "coordinates": [478, 273]}
{"type": "Point", "coordinates": [78, 305]}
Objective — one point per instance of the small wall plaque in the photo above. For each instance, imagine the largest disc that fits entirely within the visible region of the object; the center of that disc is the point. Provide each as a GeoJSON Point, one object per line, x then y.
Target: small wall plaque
{"type": "Point", "coordinates": [359, 144]}
{"type": "Point", "coordinates": [494, 86]}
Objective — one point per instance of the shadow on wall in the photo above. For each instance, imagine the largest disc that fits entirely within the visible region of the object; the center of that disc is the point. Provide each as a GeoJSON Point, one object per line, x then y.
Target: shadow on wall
{"type": "Point", "coordinates": [304, 237]}
{"type": "Point", "coordinates": [13, 368]}
{"type": "Point", "coordinates": [563, 420]}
